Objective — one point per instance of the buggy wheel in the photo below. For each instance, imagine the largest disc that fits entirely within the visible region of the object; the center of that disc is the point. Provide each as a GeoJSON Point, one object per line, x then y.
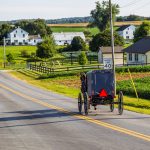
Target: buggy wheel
{"type": "Point", "coordinates": [80, 103]}
{"type": "Point", "coordinates": [112, 106]}
{"type": "Point", "coordinates": [86, 104]}
{"type": "Point", "coordinates": [120, 103]}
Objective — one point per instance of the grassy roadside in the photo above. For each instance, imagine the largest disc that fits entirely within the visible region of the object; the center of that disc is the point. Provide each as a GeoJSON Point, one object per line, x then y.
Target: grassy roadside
{"type": "Point", "coordinates": [130, 103]}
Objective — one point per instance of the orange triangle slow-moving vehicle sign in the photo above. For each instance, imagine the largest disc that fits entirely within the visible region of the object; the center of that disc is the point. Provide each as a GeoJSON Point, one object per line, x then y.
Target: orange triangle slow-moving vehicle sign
{"type": "Point", "coordinates": [103, 93]}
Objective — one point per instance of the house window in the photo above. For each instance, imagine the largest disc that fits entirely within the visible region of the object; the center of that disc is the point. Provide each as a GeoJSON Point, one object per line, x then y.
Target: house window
{"type": "Point", "coordinates": [23, 35]}
{"type": "Point", "coordinates": [16, 31]}
{"type": "Point", "coordinates": [130, 56]}
{"type": "Point", "coordinates": [14, 35]}
{"type": "Point", "coordinates": [24, 41]}
{"type": "Point", "coordinates": [127, 37]}
{"type": "Point", "coordinates": [136, 57]}
{"type": "Point", "coordinates": [34, 41]}
{"type": "Point", "coordinates": [16, 41]}
{"type": "Point", "coordinates": [127, 32]}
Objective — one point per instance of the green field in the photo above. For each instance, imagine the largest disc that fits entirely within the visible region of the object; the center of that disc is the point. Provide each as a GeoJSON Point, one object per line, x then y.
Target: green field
{"type": "Point", "coordinates": [16, 52]}
{"type": "Point", "coordinates": [93, 31]}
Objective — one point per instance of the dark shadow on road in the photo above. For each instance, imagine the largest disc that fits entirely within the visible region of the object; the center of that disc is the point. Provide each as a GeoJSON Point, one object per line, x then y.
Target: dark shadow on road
{"type": "Point", "coordinates": [41, 123]}
{"type": "Point", "coordinates": [36, 114]}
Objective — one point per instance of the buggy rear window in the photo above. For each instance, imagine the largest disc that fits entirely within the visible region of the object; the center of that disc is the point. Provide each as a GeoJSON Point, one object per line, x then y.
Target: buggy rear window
{"type": "Point", "coordinates": [104, 81]}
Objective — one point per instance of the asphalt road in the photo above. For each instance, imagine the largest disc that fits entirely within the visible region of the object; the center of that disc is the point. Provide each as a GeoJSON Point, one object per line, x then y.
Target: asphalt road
{"type": "Point", "coordinates": [36, 119]}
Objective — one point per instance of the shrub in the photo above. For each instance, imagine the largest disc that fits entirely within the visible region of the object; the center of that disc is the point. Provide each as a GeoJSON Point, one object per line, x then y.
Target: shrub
{"type": "Point", "coordinates": [10, 58]}
{"type": "Point", "coordinates": [25, 53]}
{"type": "Point", "coordinates": [46, 49]}
{"type": "Point", "coordinates": [82, 58]}
{"type": "Point", "coordinates": [78, 44]}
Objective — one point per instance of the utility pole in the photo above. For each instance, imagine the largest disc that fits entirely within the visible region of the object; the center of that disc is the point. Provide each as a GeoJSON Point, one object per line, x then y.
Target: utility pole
{"type": "Point", "coordinates": [4, 52]}
{"type": "Point", "coordinates": [112, 45]}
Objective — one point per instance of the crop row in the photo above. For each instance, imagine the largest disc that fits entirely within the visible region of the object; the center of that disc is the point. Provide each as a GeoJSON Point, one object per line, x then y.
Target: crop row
{"type": "Point", "coordinates": [142, 86]}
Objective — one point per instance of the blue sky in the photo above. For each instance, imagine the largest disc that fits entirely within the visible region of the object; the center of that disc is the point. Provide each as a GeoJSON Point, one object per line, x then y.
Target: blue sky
{"type": "Point", "coordinates": [51, 9]}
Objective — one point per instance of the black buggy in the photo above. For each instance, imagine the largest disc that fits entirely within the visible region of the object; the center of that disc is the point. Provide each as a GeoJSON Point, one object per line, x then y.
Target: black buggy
{"type": "Point", "coordinates": [97, 88]}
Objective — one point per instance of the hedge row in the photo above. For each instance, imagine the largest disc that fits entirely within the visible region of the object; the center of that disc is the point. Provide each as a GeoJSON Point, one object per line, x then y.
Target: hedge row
{"type": "Point", "coordinates": [133, 69]}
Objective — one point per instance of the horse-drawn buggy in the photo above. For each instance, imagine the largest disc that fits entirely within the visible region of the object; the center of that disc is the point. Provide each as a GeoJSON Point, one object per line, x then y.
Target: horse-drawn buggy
{"type": "Point", "coordinates": [97, 88]}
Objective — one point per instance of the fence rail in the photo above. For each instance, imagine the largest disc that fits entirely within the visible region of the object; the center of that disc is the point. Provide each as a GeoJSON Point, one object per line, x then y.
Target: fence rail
{"type": "Point", "coordinates": [43, 69]}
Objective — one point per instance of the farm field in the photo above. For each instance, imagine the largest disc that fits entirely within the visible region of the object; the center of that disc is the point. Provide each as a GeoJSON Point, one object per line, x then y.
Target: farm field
{"type": "Point", "coordinates": [70, 86]}
{"type": "Point", "coordinates": [16, 51]}
{"type": "Point", "coordinates": [93, 31]}
{"type": "Point", "coordinates": [136, 23]}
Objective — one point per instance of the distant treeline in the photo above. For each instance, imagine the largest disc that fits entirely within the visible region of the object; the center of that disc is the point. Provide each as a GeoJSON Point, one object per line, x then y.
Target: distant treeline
{"type": "Point", "coordinates": [70, 20]}
{"type": "Point", "coordinates": [88, 19]}
{"type": "Point", "coordinates": [132, 18]}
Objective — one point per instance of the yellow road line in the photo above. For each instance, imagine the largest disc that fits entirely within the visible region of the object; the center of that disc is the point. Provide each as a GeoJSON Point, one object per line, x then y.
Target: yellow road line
{"type": "Point", "coordinates": [89, 119]}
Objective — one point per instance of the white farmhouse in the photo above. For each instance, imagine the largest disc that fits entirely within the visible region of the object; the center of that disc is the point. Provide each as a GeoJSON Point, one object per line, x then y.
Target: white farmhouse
{"type": "Point", "coordinates": [139, 52]}
{"type": "Point", "coordinates": [18, 37]}
{"type": "Point", "coordinates": [66, 37]}
{"type": "Point", "coordinates": [34, 39]}
{"type": "Point", "coordinates": [126, 31]}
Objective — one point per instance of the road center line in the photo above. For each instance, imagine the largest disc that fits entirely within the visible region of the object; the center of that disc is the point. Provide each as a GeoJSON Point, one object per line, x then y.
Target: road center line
{"type": "Point", "coordinates": [100, 123]}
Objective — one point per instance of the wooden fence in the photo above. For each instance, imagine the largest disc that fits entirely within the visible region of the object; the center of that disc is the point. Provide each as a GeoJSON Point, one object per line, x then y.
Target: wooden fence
{"type": "Point", "coordinates": [43, 69]}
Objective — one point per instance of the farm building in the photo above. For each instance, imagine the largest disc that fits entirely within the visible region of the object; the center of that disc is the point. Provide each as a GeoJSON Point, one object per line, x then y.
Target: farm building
{"type": "Point", "coordinates": [66, 37]}
{"type": "Point", "coordinates": [139, 52]}
{"type": "Point", "coordinates": [106, 52]}
{"type": "Point", "coordinates": [20, 37]}
{"type": "Point", "coordinates": [127, 31]}
{"type": "Point", "coordinates": [17, 36]}
{"type": "Point", "coordinates": [34, 39]}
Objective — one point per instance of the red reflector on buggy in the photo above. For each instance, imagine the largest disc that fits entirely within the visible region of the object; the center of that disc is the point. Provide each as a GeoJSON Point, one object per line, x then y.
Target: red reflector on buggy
{"type": "Point", "coordinates": [103, 93]}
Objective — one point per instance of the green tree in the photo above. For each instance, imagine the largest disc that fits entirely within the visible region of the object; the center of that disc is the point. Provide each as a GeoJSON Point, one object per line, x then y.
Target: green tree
{"type": "Point", "coordinates": [10, 58]}
{"type": "Point", "coordinates": [82, 58]}
{"type": "Point", "coordinates": [101, 14]}
{"type": "Point", "coordinates": [142, 31]}
{"type": "Point", "coordinates": [4, 30]}
{"type": "Point", "coordinates": [104, 39]}
{"type": "Point", "coordinates": [46, 49]}
{"type": "Point", "coordinates": [78, 44]}
{"type": "Point", "coordinates": [38, 26]}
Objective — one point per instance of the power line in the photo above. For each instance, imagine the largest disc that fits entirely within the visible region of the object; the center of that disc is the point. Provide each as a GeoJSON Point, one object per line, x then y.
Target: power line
{"type": "Point", "coordinates": [145, 5]}
{"type": "Point", "coordinates": [130, 4]}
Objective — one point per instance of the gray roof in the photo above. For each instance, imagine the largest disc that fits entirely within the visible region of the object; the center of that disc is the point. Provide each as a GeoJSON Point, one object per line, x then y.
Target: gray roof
{"type": "Point", "coordinates": [17, 29]}
{"type": "Point", "coordinates": [67, 36]}
{"type": "Point", "coordinates": [122, 28]}
{"type": "Point", "coordinates": [108, 50]}
{"type": "Point", "coordinates": [142, 46]}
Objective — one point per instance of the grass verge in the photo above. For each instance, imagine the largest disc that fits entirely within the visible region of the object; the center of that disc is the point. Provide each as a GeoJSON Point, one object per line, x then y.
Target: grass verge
{"type": "Point", "coordinates": [130, 103]}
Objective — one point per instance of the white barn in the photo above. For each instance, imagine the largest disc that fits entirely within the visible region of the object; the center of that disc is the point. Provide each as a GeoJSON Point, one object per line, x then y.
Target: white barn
{"type": "Point", "coordinates": [126, 31]}
{"type": "Point", "coordinates": [66, 37]}
{"type": "Point", "coordinates": [17, 37]}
